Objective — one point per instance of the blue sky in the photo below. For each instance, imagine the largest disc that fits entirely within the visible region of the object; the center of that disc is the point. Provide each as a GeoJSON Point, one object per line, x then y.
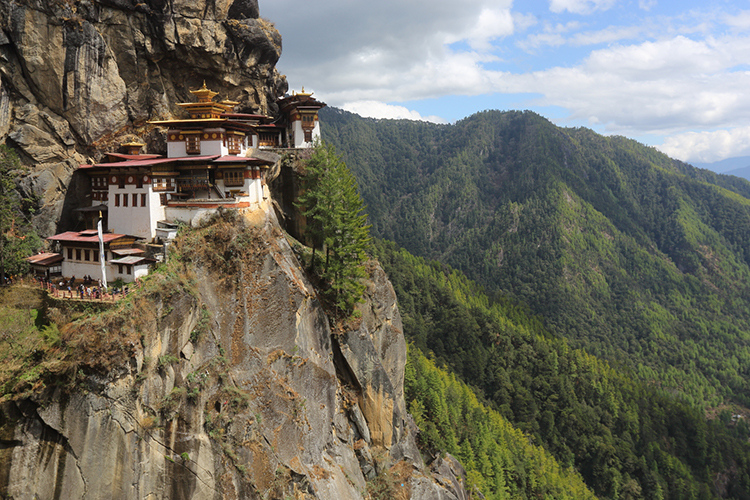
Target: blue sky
{"type": "Point", "coordinates": [674, 75]}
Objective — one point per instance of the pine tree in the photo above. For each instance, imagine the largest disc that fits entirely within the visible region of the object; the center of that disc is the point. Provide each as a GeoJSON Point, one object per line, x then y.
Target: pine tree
{"type": "Point", "coordinates": [335, 223]}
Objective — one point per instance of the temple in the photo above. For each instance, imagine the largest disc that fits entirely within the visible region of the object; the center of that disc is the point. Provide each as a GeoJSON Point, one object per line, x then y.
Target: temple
{"type": "Point", "coordinates": [215, 158]}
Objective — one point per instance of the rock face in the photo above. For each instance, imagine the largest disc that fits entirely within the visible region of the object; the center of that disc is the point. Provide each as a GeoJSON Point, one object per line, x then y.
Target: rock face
{"type": "Point", "coordinates": [77, 76]}
{"type": "Point", "coordinates": [233, 386]}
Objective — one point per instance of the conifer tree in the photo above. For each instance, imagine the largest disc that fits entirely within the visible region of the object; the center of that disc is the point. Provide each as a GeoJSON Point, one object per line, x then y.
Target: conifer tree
{"type": "Point", "coordinates": [335, 222]}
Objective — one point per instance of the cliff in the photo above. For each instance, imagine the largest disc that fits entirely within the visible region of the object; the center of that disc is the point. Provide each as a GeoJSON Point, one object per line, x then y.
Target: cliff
{"type": "Point", "coordinates": [220, 378]}
{"type": "Point", "coordinates": [77, 77]}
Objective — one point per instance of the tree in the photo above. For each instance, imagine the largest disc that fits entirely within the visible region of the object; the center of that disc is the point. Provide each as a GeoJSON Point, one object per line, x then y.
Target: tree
{"type": "Point", "coordinates": [18, 239]}
{"type": "Point", "coordinates": [335, 223]}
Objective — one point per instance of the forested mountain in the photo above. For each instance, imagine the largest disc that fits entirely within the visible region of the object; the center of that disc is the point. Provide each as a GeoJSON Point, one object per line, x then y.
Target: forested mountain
{"type": "Point", "coordinates": [638, 259]}
{"type": "Point", "coordinates": [627, 438]}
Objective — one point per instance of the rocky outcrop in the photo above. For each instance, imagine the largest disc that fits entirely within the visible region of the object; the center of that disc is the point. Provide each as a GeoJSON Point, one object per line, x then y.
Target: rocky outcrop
{"type": "Point", "coordinates": [76, 76]}
{"type": "Point", "coordinates": [231, 385]}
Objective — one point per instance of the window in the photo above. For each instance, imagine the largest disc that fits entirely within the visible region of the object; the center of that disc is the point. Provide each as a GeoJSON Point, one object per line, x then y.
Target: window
{"type": "Point", "coordinates": [129, 268]}
{"type": "Point", "coordinates": [121, 182]}
{"type": "Point", "coordinates": [70, 254]}
{"type": "Point", "coordinates": [87, 255]}
{"type": "Point", "coordinates": [119, 268]}
{"type": "Point", "coordinates": [193, 144]}
{"type": "Point", "coordinates": [234, 144]}
{"type": "Point", "coordinates": [268, 139]}
{"type": "Point", "coordinates": [139, 181]}
{"type": "Point", "coordinates": [125, 200]}
{"type": "Point", "coordinates": [234, 178]}
{"type": "Point", "coordinates": [117, 200]}
{"type": "Point", "coordinates": [135, 200]}
{"type": "Point", "coordinates": [96, 256]}
{"type": "Point", "coordinates": [78, 254]}
{"type": "Point", "coordinates": [163, 200]}
{"type": "Point", "coordinates": [143, 200]}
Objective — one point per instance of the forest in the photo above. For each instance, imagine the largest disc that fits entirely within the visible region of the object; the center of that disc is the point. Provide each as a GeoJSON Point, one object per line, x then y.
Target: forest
{"type": "Point", "coordinates": [589, 289]}
{"type": "Point", "coordinates": [639, 259]}
{"type": "Point", "coordinates": [628, 439]}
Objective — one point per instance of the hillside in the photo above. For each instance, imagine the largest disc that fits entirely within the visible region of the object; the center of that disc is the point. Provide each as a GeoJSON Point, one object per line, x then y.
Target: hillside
{"type": "Point", "coordinates": [627, 439]}
{"type": "Point", "coordinates": [638, 259]}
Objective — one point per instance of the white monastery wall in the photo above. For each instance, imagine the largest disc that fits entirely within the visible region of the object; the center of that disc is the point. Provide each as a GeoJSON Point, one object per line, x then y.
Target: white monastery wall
{"type": "Point", "coordinates": [299, 135]}
{"type": "Point", "coordinates": [155, 210]}
{"type": "Point", "coordinates": [176, 149]}
{"type": "Point", "coordinates": [130, 219]}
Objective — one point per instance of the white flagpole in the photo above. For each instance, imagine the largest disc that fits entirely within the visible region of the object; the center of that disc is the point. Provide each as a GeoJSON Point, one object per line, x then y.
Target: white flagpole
{"type": "Point", "coordinates": [101, 251]}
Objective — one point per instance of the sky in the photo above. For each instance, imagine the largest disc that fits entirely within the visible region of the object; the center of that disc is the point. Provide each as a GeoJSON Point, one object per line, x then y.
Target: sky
{"type": "Point", "coordinates": [671, 74]}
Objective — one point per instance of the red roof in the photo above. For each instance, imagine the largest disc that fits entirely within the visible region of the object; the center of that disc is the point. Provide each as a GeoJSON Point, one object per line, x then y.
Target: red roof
{"type": "Point", "coordinates": [237, 159]}
{"type": "Point", "coordinates": [45, 259]}
{"type": "Point", "coordinates": [86, 237]}
{"type": "Point", "coordinates": [149, 162]}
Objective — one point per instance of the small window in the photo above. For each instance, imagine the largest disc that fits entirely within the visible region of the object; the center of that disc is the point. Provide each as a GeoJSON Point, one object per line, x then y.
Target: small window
{"type": "Point", "coordinates": [143, 200]}
{"type": "Point", "coordinates": [117, 200]}
{"type": "Point", "coordinates": [78, 254]}
{"type": "Point", "coordinates": [119, 268]}
{"type": "Point", "coordinates": [129, 268]}
{"type": "Point", "coordinates": [70, 254]}
{"type": "Point", "coordinates": [135, 200]}
{"type": "Point", "coordinates": [121, 182]}
{"type": "Point", "coordinates": [87, 255]}
{"type": "Point", "coordinates": [125, 200]}
{"type": "Point", "coordinates": [163, 200]}
{"type": "Point", "coordinates": [234, 178]}
{"type": "Point", "coordinates": [139, 181]}
{"type": "Point", "coordinates": [96, 256]}
{"type": "Point", "coordinates": [193, 144]}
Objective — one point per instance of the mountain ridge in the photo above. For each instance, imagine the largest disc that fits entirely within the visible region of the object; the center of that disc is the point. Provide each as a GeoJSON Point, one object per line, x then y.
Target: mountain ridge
{"type": "Point", "coordinates": [640, 259]}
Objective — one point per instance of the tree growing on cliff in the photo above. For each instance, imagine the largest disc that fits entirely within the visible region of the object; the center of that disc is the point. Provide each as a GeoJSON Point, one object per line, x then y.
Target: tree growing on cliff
{"type": "Point", "coordinates": [335, 223]}
{"type": "Point", "coordinates": [18, 239]}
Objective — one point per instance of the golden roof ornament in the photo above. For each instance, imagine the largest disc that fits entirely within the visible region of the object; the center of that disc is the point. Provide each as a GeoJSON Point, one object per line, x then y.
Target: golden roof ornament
{"type": "Point", "coordinates": [204, 94]}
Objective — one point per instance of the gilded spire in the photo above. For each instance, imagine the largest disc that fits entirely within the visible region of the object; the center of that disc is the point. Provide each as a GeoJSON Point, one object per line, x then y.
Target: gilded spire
{"type": "Point", "coordinates": [204, 94]}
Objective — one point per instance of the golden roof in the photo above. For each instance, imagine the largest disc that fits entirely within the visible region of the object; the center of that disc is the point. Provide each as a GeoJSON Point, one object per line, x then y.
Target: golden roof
{"type": "Point", "coordinates": [204, 94]}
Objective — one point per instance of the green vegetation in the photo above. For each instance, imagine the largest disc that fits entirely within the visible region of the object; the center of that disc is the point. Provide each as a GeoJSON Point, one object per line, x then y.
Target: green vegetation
{"type": "Point", "coordinates": [634, 257]}
{"type": "Point", "coordinates": [335, 222]}
{"type": "Point", "coordinates": [18, 239]}
{"type": "Point", "coordinates": [627, 439]}
{"type": "Point", "coordinates": [499, 459]}
{"type": "Point", "coordinates": [28, 342]}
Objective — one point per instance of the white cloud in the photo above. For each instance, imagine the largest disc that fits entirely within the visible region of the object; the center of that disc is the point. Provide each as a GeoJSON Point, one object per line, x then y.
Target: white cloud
{"type": "Point", "coordinates": [652, 87]}
{"type": "Point", "coordinates": [607, 35]}
{"type": "Point", "coordinates": [553, 35]}
{"type": "Point", "coordinates": [739, 20]}
{"type": "Point", "coordinates": [377, 109]}
{"type": "Point", "coordinates": [708, 146]}
{"type": "Point", "coordinates": [646, 4]}
{"type": "Point", "coordinates": [580, 6]}
{"type": "Point", "coordinates": [491, 25]}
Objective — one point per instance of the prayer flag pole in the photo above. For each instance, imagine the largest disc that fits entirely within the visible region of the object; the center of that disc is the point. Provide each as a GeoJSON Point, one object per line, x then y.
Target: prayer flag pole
{"type": "Point", "coordinates": [101, 251]}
